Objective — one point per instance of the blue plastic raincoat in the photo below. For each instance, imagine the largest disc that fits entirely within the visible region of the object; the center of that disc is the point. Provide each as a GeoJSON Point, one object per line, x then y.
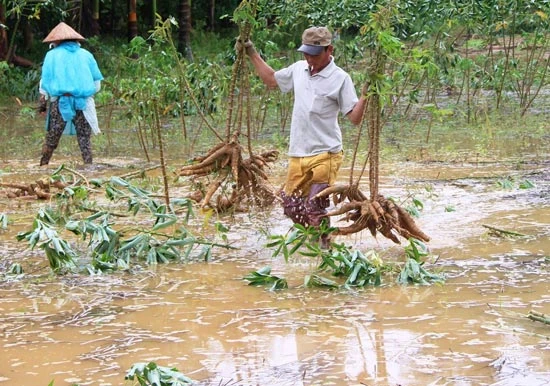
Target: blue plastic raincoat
{"type": "Point", "coordinates": [71, 75]}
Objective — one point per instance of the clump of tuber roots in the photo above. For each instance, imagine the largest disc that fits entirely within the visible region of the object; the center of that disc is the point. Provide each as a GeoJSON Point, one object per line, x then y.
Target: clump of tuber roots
{"type": "Point", "coordinates": [378, 215]}
{"type": "Point", "coordinates": [40, 189]}
{"type": "Point", "coordinates": [236, 179]}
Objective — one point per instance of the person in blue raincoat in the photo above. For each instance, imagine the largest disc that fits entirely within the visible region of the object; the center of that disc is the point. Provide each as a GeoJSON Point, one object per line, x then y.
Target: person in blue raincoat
{"type": "Point", "coordinates": [70, 79]}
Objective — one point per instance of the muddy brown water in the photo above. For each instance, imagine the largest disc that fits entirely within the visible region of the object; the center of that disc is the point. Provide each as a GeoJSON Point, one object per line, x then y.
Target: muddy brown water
{"type": "Point", "coordinates": [204, 320]}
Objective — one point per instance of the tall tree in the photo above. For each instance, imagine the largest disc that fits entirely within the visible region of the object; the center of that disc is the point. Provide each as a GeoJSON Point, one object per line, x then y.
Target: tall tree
{"type": "Point", "coordinates": [184, 35]}
{"type": "Point", "coordinates": [95, 18]}
{"type": "Point", "coordinates": [3, 34]}
{"type": "Point", "coordinates": [7, 46]}
{"type": "Point", "coordinates": [212, 15]}
{"type": "Point", "coordinates": [132, 19]}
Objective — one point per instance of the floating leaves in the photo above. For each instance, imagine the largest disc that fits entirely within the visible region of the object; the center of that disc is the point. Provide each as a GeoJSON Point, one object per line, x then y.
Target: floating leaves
{"type": "Point", "coordinates": [150, 374]}
{"type": "Point", "coordinates": [59, 253]}
{"type": "Point", "coordinates": [264, 277]}
{"type": "Point", "coordinates": [357, 268]}
{"type": "Point", "coordinates": [413, 272]}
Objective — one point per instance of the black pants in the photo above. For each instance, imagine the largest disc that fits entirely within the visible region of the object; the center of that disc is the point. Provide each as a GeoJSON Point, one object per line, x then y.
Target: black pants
{"type": "Point", "coordinates": [56, 126]}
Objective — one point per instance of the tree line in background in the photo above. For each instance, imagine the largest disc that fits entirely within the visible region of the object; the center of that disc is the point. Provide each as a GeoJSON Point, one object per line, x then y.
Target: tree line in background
{"type": "Point", "coordinates": [22, 22]}
{"type": "Point", "coordinates": [462, 47]}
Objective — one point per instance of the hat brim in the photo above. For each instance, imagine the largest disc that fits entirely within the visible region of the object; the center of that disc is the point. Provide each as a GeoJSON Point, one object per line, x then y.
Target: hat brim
{"type": "Point", "coordinates": [311, 50]}
{"type": "Point", "coordinates": [63, 32]}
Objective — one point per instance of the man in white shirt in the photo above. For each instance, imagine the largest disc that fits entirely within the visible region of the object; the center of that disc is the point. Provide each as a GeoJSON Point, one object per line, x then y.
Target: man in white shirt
{"type": "Point", "coordinates": [322, 90]}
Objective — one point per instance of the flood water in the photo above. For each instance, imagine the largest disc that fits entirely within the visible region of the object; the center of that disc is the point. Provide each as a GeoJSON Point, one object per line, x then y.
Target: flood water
{"type": "Point", "coordinates": [203, 319]}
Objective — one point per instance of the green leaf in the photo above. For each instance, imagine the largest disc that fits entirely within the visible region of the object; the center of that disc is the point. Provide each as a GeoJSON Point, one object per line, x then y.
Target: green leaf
{"type": "Point", "coordinates": [169, 220]}
{"type": "Point", "coordinates": [119, 181]}
{"type": "Point", "coordinates": [4, 220]}
{"type": "Point", "coordinates": [526, 184]}
{"type": "Point", "coordinates": [319, 281]}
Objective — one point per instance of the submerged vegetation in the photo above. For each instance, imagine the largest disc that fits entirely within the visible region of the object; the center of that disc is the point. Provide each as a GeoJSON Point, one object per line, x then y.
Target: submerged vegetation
{"type": "Point", "coordinates": [108, 246]}
{"type": "Point", "coordinates": [355, 268]}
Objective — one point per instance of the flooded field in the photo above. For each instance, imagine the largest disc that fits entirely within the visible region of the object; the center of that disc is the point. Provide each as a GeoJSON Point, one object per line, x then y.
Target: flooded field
{"type": "Point", "coordinates": [204, 320]}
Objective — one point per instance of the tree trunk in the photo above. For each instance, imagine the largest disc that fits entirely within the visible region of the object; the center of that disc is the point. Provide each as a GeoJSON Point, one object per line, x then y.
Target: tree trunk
{"type": "Point", "coordinates": [184, 35]}
{"type": "Point", "coordinates": [212, 15]}
{"type": "Point", "coordinates": [95, 18]}
{"type": "Point", "coordinates": [154, 11]}
{"type": "Point", "coordinates": [132, 19]}
{"type": "Point", "coordinates": [88, 17]}
{"type": "Point", "coordinates": [7, 52]}
{"type": "Point", "coordinates": [3, 34]}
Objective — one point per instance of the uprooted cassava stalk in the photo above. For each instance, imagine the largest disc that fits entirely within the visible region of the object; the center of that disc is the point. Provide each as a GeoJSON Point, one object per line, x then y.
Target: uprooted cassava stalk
{"type": "Point", "coordinates": [236, 179]}
{"type": "Point", "coordinates": [375, 213]}
{"type": "Point", "coordinates": [247, 178]}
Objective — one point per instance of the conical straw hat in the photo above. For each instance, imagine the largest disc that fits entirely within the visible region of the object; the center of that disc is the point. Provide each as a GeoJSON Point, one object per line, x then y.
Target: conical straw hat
{"type": "Point", "coordinates": [62, 32]}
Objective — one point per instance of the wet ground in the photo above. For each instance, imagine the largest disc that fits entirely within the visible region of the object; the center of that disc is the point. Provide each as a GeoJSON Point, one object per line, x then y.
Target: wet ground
{"type": "Point", "coordinates": [203, 319]}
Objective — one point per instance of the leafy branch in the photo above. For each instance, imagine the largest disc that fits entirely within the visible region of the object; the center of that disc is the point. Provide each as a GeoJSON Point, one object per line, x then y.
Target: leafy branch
{"type": "Point", "coordinates": [357, 268]}
{"type": "Point", "coordinates": [112, 246]}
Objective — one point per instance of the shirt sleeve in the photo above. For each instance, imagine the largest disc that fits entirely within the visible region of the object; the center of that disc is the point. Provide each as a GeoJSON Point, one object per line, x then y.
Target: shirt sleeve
{"type": "Point", "coordinates": [94, 68]}
{"type": "Point", "coordinates": [348, 96]}
{"type": "Point", "coordinates": [285, 78]}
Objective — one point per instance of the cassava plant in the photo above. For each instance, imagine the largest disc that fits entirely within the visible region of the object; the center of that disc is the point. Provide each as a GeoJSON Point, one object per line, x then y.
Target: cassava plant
{"type": "Point", "coordinates": [236, 180]}
{"type": "Point", "coordinates": [413, 271]}
{"type": "Point", "coordinates": [340, 262]}
{"type": "Point", "coordinates": [111, 245]}
{"type": "Point", "coordinates": [151, 374]}
{"type": "Point", "coordinates": [61, 256]}
{"type": "Point", "coordinates": [263, 276]}
{"type": "Point", "coordinates": [375, 212]}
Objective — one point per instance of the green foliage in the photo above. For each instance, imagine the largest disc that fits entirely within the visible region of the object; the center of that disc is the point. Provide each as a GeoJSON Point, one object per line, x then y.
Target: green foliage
{"type": "Point", "coordinates": [508, 183]}
{"type": "Point", "coordinates": [161, 76]}
{"type": "Point", "coordinates": [526, 184]}
{"type": "Point", "coordinates": [18, 82]}
{"type": "Point", "coordinates": [3, 221]}
{"type": "Point", "coordinates": [357, 268]}
{"type": "Point", "coordinates": [58, 251]}
{"type": "Point", "coordinates": [339, 261]}
{"type": "Point", "coordinates": [300, 236]}
{"type": "Point", "coordinates": [264, 277]}
{"type": "Point", "coordinates": [110, 246]}
{"type": "Point", "coordinates": [450, 208]}
{"type": "Point", "coordinates": [505, 183]}
{"type": "Point", "coordinates": [415, 207]}
{"type": "Point", "coordinates": [413, 271]}
{"type": "Point", "coordinates": [315, 280]}
{"type": "Point", "coordinates": [150, 374]}
{"type": "Point", "coordinates": [15, 269]}
{"type": "Point", "coordinates": [416, 250]}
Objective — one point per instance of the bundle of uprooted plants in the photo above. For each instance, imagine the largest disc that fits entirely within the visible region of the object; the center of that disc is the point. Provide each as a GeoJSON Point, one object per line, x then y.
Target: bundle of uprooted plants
{"type": "Point", "coordinates": [44, 188]}
{"type": "Point", "coordinates": [40, 189]}
{"type": "Point", "coordinates": [375, 213]}
{"type": "Point", "coordinates": [236, 179]}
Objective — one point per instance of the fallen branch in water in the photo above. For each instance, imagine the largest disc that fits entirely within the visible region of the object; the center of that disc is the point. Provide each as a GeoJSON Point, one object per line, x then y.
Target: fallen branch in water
{"type": "Point", "coordinates": [502, 233]}
{"type": "Point", "coordinates": [538, 317]}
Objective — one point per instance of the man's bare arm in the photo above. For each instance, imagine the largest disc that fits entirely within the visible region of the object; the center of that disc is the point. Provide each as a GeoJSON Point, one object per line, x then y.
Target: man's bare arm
{"type": "Point", "coordinates": [356, 115]}
{"type": "Point", "coordinates": [264, 70]}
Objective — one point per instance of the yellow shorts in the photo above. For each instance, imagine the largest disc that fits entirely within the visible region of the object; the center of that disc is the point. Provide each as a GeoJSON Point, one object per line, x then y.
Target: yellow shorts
{"type": "Point", "coordinates": [306, 171]}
